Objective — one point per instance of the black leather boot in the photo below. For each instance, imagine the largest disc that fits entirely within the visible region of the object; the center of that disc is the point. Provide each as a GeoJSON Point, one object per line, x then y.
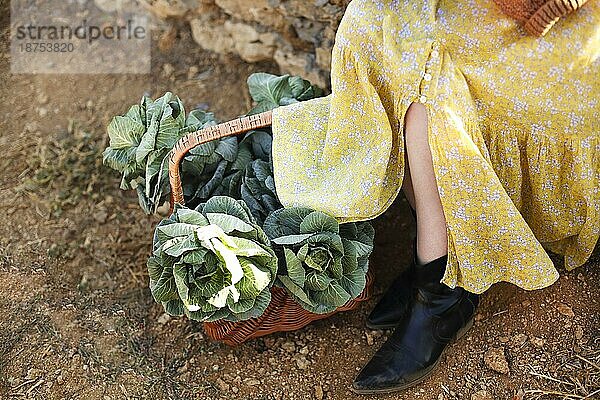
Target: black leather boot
{"type": "Point", "coordinates": [396, 301]}
{"type": "Point", "coordinates": [437, 316]}
{"type": "Point", "coordinates": [394, 304]}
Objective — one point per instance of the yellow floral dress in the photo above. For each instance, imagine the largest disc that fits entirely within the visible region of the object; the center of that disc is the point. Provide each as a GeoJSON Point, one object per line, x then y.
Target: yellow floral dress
{"type": "Point", "coordinates": [513, 130]}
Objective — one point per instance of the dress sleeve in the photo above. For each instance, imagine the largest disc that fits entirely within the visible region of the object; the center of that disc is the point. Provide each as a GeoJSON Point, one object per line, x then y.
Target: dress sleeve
{"type": "Point", "coordinates": [339, 154]}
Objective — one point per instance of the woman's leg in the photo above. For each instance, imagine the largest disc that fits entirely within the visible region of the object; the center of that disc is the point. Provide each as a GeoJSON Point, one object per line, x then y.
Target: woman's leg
{"type": "Point", "coordinates": [407, 188]}
{"type": "Point", "coordinates": [432, 240]}
{"type": "Point", "coordinates": [434, 313]}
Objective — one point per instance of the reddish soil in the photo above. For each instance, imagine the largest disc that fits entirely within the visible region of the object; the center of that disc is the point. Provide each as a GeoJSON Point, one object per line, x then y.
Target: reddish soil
{"type": "Point", "coordinates": [77, 318]}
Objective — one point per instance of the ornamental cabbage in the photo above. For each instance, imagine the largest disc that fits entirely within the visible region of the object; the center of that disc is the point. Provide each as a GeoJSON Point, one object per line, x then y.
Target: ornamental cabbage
{"type": "Point", "coordinates": [212, 262]}
{"type": "Point", "coordinates": [271, 91]}
{"type": "Point", "coordinates": [325, 263]}
{"type": "Point", "coordinates": [258, 189]}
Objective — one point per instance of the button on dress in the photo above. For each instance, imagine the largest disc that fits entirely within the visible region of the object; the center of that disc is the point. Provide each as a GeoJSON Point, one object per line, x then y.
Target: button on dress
{"type": "Point", "coordinates": [512, 126]}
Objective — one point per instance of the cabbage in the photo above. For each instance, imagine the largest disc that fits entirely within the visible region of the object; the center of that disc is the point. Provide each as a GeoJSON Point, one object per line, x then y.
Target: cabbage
{"type": "Point", "coordinates": [325, 262]}
{"type": "Point", "coordinates": [212, 262]}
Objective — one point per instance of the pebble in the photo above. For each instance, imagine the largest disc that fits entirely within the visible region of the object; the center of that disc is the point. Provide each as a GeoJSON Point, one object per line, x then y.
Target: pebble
{"type": "Point", "coordinates": [369, 339]}
{"type": "Point", "coordinates": [565, 310]}
{"type": "Point", "coordinates": [168, 69]}
{"type": "Point", "coordinates": [537, 342]}
{"type": "Point", "coordinates": [518, 340]}
{"type": "Point", "coordinates": [222, 385]}
{"type": "Point", "coordinates": [251, 381]}
{"type": "Point", "coordinates": [495, 360]}
{"type": "Point", "coordinates": [578, 332]}
{"type": "Point", "coordinates": [289, 346]}
{"type": "Point", "coordinates": [302, 362]}
{"type": "Point", "coordinates": [192, 72]}
{"type": "Point", "coordinates": [319, 392]}
{"type": "Point", "coordinates": [482, 395]}
{"type": "Point", "coordinates": [101, 216]}
{"type": "Point", "coordinates": [164, 318]}
{"type": "Point", "coordinates": [42, 98]}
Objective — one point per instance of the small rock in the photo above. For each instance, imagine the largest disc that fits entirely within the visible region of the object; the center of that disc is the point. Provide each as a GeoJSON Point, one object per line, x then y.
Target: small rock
{"type": "Point", "coordinates": [251, 381]}
{"type": "Point", "coordinates": [289, 346]}
{"type": "Point", "coordinates": [89, 104]}
{"type": "Point", "coordinates": [42, 98]}
{"type": "Point", "coordinates": [223, 386]}
{"type": "Point", "coordinates": [101, 216]}
{"type": "Point", "coordinates": [215, 367]}
{"type": "Point", "coordinates": [494, 359]}
{"type": "Point", "coordinates": [565, 310]}
{"type": "Point", "coordinates": [168, 69]}
{"type": "Point", "coordinates": [503, 339]}
{"type": "Point", "coordinates": [482, 395]}
{"type": "Point", "coordinates": [319, 392]}
{"type": "Point", "coordinates": [369, 338]}
{"type": "Point", "coordinates": [302, 362]}
{"type": "Point", "coordinates": [537, 342]}
{"type": "Point", "coordinates": [578, 332]}
{"type": "Point", "coordinates": [526, 303]}
{"type": "Point", "coordinates": [518, 340]}
{"type": "Point", "coordinates": [163, 319]}
{"type": "Point", "coordinates": [192, 72]}
{"type": "Point", "coordinates": [164, 209]}
{"type": "Point", "coordinates": [42, 111]}
{"type": "Point", "coordinates": [235, 389]}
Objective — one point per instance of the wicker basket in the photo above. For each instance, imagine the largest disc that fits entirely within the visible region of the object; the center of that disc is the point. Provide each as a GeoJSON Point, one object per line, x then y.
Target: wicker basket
{"type": "Point", "coordinates": [283, 312]}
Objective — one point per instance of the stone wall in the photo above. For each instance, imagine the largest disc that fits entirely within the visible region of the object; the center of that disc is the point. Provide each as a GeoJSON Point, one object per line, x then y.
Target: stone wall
{"type": "Point", "coordinates": [297, 34]}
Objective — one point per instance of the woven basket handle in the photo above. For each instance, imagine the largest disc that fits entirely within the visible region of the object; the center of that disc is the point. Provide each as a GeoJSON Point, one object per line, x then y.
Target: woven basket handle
{"type": "Point", "coordinates": [193, 139]}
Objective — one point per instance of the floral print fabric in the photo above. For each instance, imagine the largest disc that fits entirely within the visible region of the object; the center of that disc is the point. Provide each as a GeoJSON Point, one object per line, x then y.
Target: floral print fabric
{"type": "Point", "coordinates": [512, 125]}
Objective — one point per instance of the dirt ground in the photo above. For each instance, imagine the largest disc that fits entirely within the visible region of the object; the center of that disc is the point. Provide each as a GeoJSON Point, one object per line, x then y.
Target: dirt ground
{"type": "Point", "coordinates": [77, 318]}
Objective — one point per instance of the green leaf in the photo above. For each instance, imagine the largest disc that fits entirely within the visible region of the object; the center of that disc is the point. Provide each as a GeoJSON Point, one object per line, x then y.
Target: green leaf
{"type": "Point", "coordinates": [350, 258]}
{"type": "Point", "coordinates": [177, 229]}
{"type": "Point", "coordinates": [317, 222]}
{"type": "Point", "coordinates": [333, 295]}
{"type": "Point", "coordinates": [174, 307]}
{"type": "Point", "coordinates": [294, 268]}
{"type": "Point", "coordinates": [317, 281]}
{"type": "Point", "coordinates": [227, 148]}
{"type": "Point", "coordinates": [354, 283]}
{"type": "Point", "coordinates": [291, 239]}
{"type": "Point", "coordinates": [177, 247]}
{"type": "Point", "coordinates": [229, 223]}
{"type": "Point", "coordinates": [285, 221]}
{"type": "Point", "coordinates": [191, 217]}
{"type": "Point", "coordinates": [241, 306]}
{"type": "Point", "coordinates": [226, 205]}
{"type": "Point", "coordinates": [124, 132]}
{"type": "Point", "coordinates": [267, 90]}
{"type": "Point", "coordinates": [295, 289]}
{"type": "Point", "coordinates": [164, 289]}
